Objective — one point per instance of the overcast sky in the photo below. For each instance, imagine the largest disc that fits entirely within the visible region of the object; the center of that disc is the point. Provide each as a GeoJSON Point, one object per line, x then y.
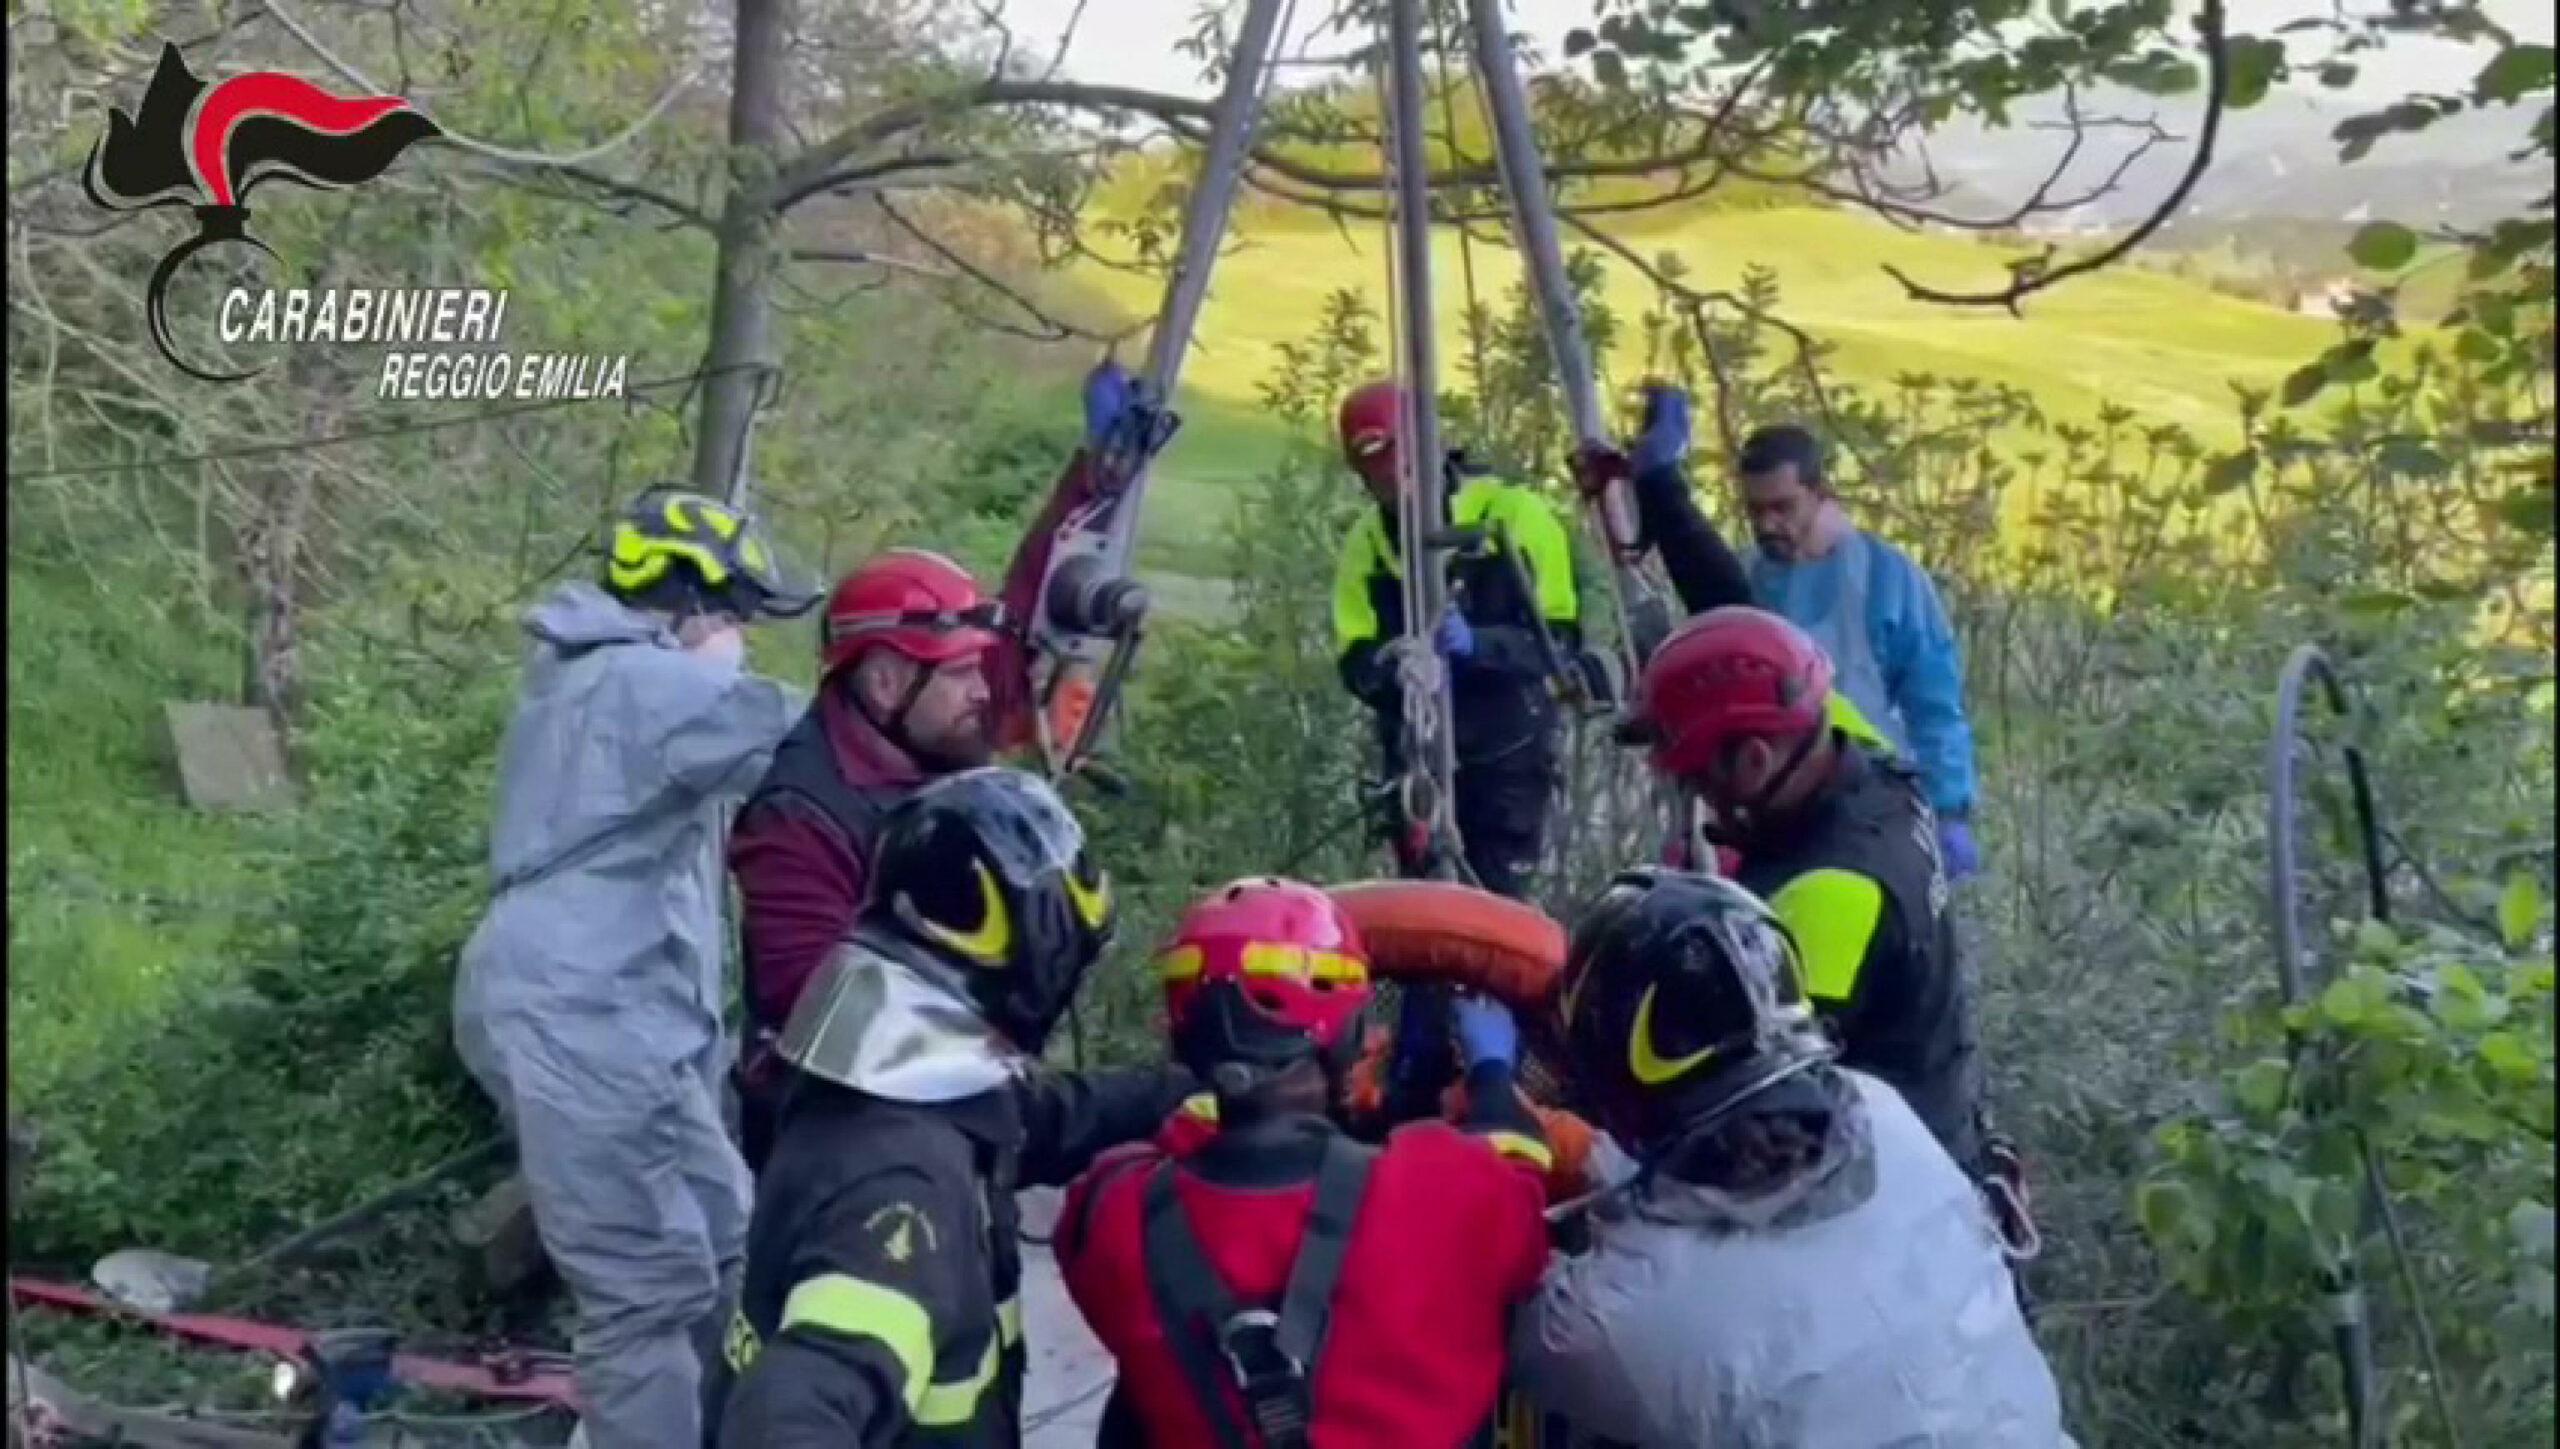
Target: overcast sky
{"type": "Point", "coordinates": [1131, 42]}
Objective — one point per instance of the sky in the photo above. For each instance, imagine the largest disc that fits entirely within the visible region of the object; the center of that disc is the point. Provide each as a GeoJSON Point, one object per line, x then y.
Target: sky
{"type": "Point", "coordinates": [1131, 42]}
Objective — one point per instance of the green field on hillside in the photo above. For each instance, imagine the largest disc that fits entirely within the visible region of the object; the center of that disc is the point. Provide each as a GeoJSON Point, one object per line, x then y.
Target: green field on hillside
{"type": "Point", "coordinates": [2168, 348]}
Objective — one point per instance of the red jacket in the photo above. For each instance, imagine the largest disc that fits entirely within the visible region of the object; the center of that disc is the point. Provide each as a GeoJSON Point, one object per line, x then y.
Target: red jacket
{"type": "Point", "coordinates": [1451, 1235]}
{"type": "Point", "coordinates": [800, 879]}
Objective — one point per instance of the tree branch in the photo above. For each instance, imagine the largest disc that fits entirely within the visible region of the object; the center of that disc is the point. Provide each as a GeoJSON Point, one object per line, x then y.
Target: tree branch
{"type": "Point", "coordinates": [1057, 330]}
{"type": "Point", "coordinates": [490, 150]}
{"type": "Point", "coordinates": [2033, 275]}
{"type": "Point", "coordinates": [526, 178]}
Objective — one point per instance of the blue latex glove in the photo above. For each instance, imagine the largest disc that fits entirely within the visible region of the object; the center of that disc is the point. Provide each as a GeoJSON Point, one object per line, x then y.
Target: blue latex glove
{"type": "Point", "coordinates": [1665, 439]}
{"type": "Point", "coordinates": [1956, 849]}
{"type": "Point", "coordinates": [1486, 1032]}
{"type": "Point", "coordinates": [1454, 637]}
{"type": "Point", "coordinates": [1107, 395]}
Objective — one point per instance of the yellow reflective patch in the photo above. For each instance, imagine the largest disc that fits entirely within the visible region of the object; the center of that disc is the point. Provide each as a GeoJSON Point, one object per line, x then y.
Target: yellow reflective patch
{"type": "Point", "coordinates": [1364, 549]}
{"type": "Point", "coordinates": [1093, 906]}
{"type": "Point", "coordinates": [1202, 1106]}
{"type": "Point", "coordinates": [1833, 914]}
{"type": "Point", "coordinates": [1650, 1068]}
{"type": "Point", "coordinates": [1182, 963]}
{"type": "Point", "coordinates": [1847, 718]}
{"type": "Point", "coordinates": [943, 1405]}
{"type": "Point", "coordinates": [992, 940]}
{"type": "Point", "coordinates": [639, 561]}
{"type": "Point", "coordinates": [843, 1304]}
{"type": "Point", "coordinates": [1297, 963]}
{"type": "Point", "coordinates": [1523, 1148]}
{"type": "Point", "coordinates": [740, 1344]}
{"type": "Point", "coordinates": [1009, 1321]}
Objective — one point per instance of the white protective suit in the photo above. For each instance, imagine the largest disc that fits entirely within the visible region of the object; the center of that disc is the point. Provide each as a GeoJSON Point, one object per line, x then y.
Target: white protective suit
{"type": "Point", "coordinates": [1865, 1307]}
{"type": "Point", "coordinates": [589, 1000]}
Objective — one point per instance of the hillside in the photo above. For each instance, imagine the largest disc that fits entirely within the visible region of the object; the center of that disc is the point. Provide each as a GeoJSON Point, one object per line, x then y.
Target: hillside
{"type": "Point", "coordinates": [2168, 347]}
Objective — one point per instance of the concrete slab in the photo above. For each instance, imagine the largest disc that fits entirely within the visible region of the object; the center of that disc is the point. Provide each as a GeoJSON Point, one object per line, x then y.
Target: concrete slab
{"type": "Point", "coordinates": [229, 757]}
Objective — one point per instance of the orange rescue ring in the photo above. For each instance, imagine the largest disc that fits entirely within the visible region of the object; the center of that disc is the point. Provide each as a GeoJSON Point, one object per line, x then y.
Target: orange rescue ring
{"type": "Point", "coordinates": [1439, 931]}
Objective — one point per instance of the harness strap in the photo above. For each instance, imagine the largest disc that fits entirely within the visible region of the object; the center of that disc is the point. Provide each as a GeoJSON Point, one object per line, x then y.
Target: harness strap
{"type": "Point", "coordinates": [1188, 1290]}
{"type": "Point", "coordinates": [1306, 1309]}
{"type": "Point", "coordinates": [1268, 1358]}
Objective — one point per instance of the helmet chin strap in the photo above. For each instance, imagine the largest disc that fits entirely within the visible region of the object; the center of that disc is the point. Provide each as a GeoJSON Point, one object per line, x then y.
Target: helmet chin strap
{"type": "Point", "coordinates": [894, 728]}
{"type": "Point", "coordinates": [1738, 824]}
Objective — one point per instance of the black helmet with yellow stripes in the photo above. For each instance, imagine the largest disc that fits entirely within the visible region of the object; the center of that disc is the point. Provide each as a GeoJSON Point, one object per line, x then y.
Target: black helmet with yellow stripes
{"type": "Point", "coordinates": [1682, 999]}
{"type": "Point", "coordinates": [690, 554]}
{"type": "Point", "coordinates": [989, 871]}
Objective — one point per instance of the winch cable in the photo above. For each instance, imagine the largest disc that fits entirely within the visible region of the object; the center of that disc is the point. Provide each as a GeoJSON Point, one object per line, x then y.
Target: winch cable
{"type": "Point", "coordinates": [1430, 745]}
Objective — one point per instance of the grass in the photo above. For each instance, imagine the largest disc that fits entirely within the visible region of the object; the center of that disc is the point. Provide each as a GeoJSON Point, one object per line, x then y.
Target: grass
{"type": "Point", "coordinates": [118, 891]}
{"type": "Point", "coordinates": [2166, 347]}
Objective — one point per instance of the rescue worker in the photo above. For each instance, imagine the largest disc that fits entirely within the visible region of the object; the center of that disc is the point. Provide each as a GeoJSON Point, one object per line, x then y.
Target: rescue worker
{"type": "Point", "coordinates": [902, 698]}
{"type": "Point", "coordinates": [1873, 610]}
{"type": "Point", "coordinates": [1704, 570]}
{"type": "Point", "coordinates": [882, 1302]}
{"type": "Point", "coordinates": [588, 1003]}
{"type": "Point", "coordinates": [1795, 1263]}
{"type": "Point", "coordinates": [1261, 1278]}
{"type": "Point", "coordinates": [1836, 837]}
{"type": "Point", "coordinates": [1514, 624]}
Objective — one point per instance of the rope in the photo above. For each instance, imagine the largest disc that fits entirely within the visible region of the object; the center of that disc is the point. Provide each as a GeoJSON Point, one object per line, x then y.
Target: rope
{"type": "Point", "coordinates": [1420, 674]}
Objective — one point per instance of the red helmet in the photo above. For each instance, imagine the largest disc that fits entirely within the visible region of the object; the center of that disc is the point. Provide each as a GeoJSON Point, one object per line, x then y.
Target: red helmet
{"type": "Point", "coordinates": [1371, 416]}
{"type": "Point", "coordinates": [916, 603]}
{"type": "Point", "coordinates": [1262, 972]}
{"type": "Point", "coordinates": [1728, 674]}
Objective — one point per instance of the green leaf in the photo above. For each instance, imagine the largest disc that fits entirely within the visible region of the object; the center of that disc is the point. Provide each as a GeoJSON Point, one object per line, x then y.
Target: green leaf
{"type": "Point", "coordinates": [2303, 384]}
{"type": "Point", "coordinates": [2378, 603]}
{"type": "Point", "coordinates": [1578, 43]}
{"type": "Point", "coordinates": [2507, 1056]}
{"type": "Point", "coordinates": [2519, 910]}
{"type": "Point", "coordinates": [2411, 459]}
{"type": "Point", "coordinates": [2528, 511]}
{"type": "Point", "coordinates": [2337, 75]}
{"type": "Point", "coordinates": [2350, 361]}
{"type": "Point", "coordinates": [2513, 73]}
{"type": "Point", "coordinates": [2345, 1003]}
{"type": "Point", "coordinates": [2383, 246]}
{"type": "Point", "coordinates": [2231, 472]}
{"type": "Point", "coordinates": [2254, 63]}
{"type": "Point", "coordinates": [2260, 1086]}
{"type": "Point", "coordinates": [1611, 67]}
{"type": "Point", "coordinates": [2169, 1216]}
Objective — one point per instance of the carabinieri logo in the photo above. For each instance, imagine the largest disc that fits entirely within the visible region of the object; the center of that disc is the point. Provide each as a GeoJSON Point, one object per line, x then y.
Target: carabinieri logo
{"type": "Point", "coordinates": [208, 147]}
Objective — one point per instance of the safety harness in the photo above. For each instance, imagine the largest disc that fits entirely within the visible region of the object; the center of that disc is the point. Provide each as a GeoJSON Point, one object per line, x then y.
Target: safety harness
{"type": "Point", "coordinates": [1254, 1353]}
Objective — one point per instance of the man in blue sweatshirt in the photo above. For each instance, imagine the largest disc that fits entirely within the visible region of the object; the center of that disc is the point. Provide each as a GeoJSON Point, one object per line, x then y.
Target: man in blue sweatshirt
{"type": "Point", "coordinates": [1873, 611]}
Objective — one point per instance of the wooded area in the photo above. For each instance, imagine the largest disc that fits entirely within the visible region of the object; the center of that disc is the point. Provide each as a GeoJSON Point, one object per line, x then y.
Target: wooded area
{"type": "Point", "coordinates": [857, 253]}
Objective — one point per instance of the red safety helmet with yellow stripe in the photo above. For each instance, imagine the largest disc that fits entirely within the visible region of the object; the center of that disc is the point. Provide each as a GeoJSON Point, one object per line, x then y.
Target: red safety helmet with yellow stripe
{"type": "Point", "coordinates": [1265, 972]}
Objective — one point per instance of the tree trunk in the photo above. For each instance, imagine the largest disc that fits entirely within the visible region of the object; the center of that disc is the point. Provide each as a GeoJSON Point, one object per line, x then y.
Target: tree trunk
{"type": "Point", "coordinates": [272, 578]}
{"type": "Point", "coordinates": [741, 304]}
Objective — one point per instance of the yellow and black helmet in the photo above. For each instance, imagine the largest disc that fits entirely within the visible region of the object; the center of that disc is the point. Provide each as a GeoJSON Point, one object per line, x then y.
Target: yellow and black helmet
{"type": "Point", "coordinates": [688, 553]}
{"type": "Point", "coordinates": [1682, 999]}
{"type": "Point", "coordinates": [988, 870]}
